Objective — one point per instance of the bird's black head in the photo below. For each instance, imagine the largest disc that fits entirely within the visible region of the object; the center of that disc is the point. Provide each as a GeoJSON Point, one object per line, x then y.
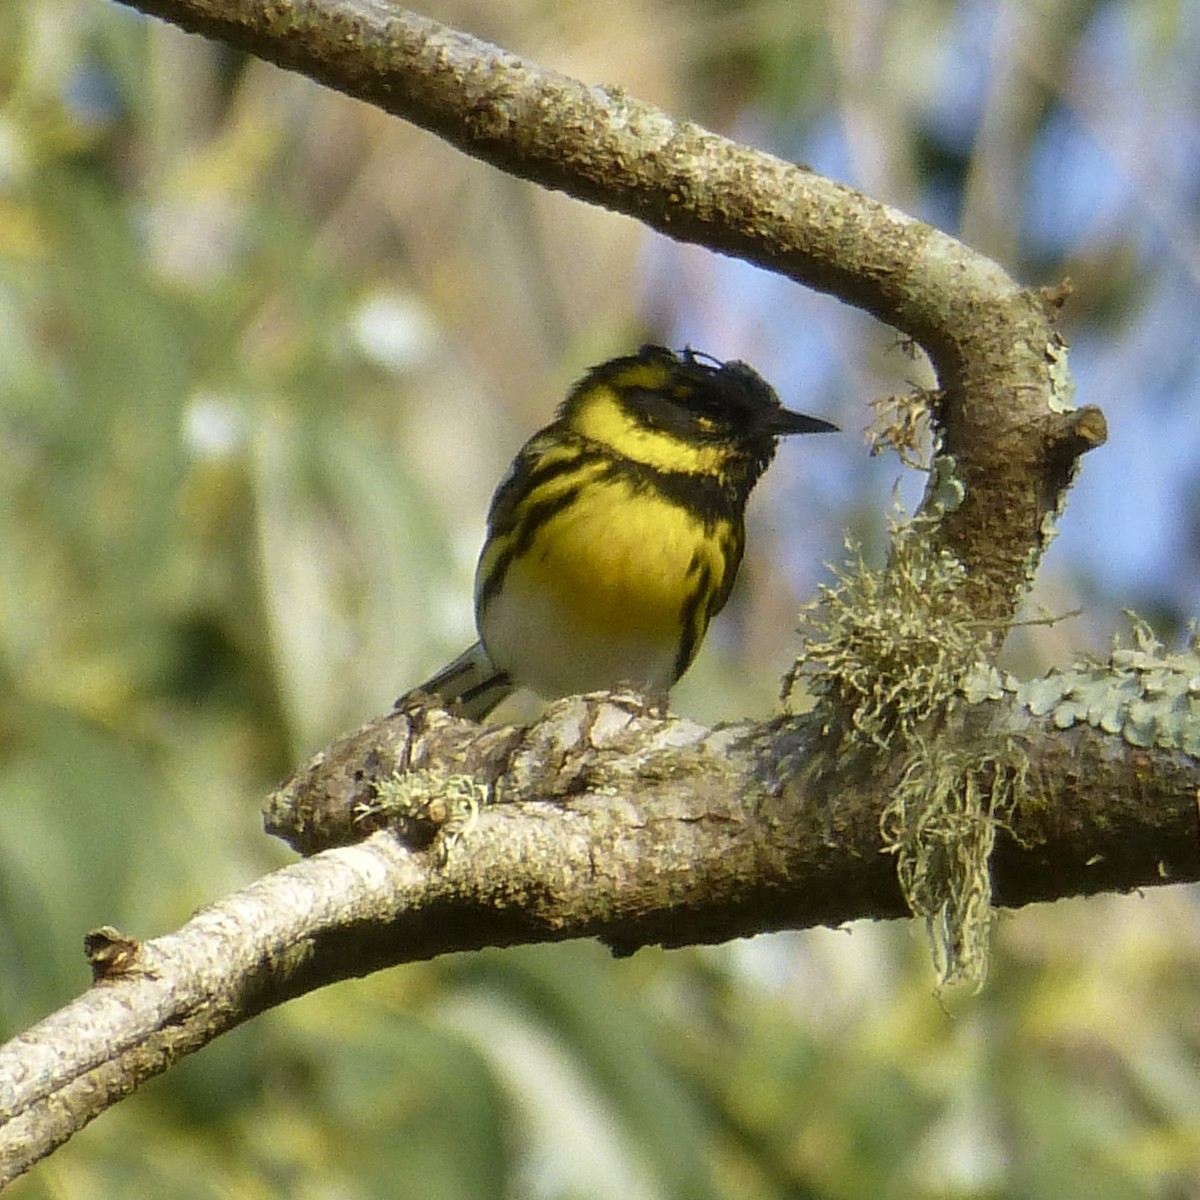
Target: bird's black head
{"type": "Point", "coordinates": [685, 412]}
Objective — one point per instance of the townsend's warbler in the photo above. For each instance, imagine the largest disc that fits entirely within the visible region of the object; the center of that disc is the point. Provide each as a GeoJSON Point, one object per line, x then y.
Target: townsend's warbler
{"type": "Point", "coordinates": [616, 535]}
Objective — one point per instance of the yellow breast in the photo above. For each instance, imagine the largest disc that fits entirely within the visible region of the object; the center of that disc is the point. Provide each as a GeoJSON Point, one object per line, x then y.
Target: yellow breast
{"type": "Point", "coordinates": [603, 593]}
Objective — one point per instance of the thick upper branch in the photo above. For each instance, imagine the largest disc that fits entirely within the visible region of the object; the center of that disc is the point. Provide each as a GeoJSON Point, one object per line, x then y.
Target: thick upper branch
{"type": "Point", "coordinates": [1002, 369]}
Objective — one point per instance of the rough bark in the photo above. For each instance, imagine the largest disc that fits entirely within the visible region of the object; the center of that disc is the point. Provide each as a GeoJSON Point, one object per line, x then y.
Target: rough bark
{"type": "Point", "coordinates": [603, 820]}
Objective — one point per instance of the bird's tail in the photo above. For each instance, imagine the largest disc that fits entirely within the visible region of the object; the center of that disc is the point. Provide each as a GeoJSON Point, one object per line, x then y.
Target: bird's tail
{"type": "Point", "coordinates": [470, 682]}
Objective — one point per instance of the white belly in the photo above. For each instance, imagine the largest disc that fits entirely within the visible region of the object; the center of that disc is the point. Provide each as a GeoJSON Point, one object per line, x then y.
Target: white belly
{"type": "Point", "coordinates": [532, 634]}
{"type": "Point", "coordinates": [598, 599]}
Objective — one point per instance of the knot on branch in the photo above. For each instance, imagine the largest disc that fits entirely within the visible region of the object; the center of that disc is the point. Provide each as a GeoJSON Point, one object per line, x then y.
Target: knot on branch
{"type": "Point", "coordinates": [421, 771]}
{"type": "Point", "coordinates": [1068, 437]}
{"type": "Point", "coordinates": [335, 798]}
{"type": "Point", "coordinates": [112, 954]}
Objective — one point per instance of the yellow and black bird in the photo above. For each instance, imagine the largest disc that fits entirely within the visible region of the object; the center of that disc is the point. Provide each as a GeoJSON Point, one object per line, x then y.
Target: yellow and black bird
{"type": "Point", "coordinates": [617, 533]}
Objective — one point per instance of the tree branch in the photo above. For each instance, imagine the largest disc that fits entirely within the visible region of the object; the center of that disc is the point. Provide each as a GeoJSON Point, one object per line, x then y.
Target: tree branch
{"type": "Point", "coordinates": [605, 819]}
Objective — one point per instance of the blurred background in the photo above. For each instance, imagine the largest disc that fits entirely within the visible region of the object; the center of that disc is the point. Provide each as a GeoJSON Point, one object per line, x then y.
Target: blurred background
{"type": "Point", "coordinates": [265, 352]}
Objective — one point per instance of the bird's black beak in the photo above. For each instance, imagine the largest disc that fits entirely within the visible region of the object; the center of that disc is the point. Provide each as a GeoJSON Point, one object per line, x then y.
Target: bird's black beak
{"type": "Point", "coordinates": [784, 422]}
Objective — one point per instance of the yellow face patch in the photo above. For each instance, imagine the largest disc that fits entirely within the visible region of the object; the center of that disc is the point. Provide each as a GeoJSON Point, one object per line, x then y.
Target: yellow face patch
{"type": "Point", "coordinates": [602, 418]}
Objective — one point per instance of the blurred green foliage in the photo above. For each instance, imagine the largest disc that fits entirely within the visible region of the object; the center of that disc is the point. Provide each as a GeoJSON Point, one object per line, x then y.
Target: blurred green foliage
{"type": "Point", "coordinates": [262, 352]}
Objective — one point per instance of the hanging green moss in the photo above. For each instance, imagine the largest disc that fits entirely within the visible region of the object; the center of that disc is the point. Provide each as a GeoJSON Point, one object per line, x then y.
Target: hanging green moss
{"type": "Point", "coordinates": [890, 653]}
{"type": "Point", "coordinates": [890, 649]}
{"type": "Point", "coordinates": [940, 823]}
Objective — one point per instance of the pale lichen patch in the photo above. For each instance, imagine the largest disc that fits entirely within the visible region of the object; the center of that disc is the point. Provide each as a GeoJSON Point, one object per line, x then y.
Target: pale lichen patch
{"type": "Point", "coordinates": [1147, 695]}
{"type": "Point", "coordinates": [443, 806]}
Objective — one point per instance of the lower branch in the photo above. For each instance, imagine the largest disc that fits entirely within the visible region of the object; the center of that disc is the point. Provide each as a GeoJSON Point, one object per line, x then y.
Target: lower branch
{"type": "Point", "coordinates": [603, 820]}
